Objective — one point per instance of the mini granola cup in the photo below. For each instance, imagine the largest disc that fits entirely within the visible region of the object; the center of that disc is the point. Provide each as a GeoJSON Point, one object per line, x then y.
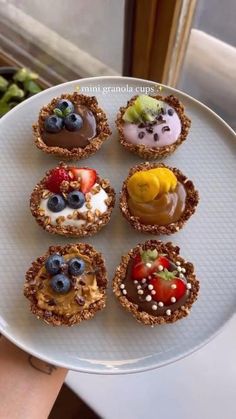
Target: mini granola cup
{"type": "Point", "coordinates": [71, 126]}
{"type": "Point", "coordinates": [157, 199]}
{"type": "Point", "coordinates": [155, 284]}
{"type": "Point", "coordinates": [72, 201]}
{"type": "Point", "coordinates": [67, 284]}
{"type": "Point", "coordinates": [152, 126]}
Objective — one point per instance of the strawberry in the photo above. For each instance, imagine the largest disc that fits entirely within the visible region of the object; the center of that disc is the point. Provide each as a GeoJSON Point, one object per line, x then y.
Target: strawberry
{"type": "Point", "coordinates": [167, 285]}
{"type": "Point", "coordinates": [146, 263]}
{"type": "Point", "coordinates": [55, 178]}
{"type": "Point", "coordinates": [87, 177]}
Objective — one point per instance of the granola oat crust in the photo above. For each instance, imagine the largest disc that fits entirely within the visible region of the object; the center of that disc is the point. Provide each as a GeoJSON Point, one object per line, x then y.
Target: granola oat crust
{"type": "Point", "coordinates": [48, 317]}
{"type": "Point", "coordinates": [92, 227]}
{"type": "Point", "coordinates": [103, 130]}
{"type": "Point", "coordinates": [173, 253]}
{"type": "Point", "coordinates": [155, 153]}
{"type": "Point", "coordinates": [192, 200]}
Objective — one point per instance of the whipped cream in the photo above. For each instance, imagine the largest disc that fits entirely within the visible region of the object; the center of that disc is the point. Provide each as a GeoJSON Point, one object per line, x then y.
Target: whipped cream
{"type": "Point", "coordinates": [97, 201]}
{"type": "Point", "coordinates": [132, 131]}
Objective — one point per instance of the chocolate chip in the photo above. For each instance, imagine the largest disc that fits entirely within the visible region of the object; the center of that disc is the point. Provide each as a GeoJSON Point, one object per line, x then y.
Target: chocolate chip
{"type": "Point", "coordinates": [64, 268]}
{"type": "Point", "coordinates": [165, 128]}
{"type": "Point", "coordinates": [52, 302]}
{"type": "Point", "coordinates": [156, 137]}
{"type": "Point", "coordinates": [163, 111]}
{"type": "Point", "coordinates": [141, 134]}
{"type": "Point", "coordinates": [79, 300]}
{"type": "Point", "coordinates": [141, 125]}
{"type": "Point", "coordinates": [170, 112]}
{"type": "Point", "coordinates": [150, 130]}
{"type": "Point", "coordinates": [81, 282]}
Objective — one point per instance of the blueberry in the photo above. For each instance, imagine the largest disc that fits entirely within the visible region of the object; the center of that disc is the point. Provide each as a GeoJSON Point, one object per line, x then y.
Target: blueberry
{"type": "Point", "coordinates": [75, 199]}
{"type": "Point", "coordinates": [66, 106]}
{"type": "Point", "coordinates": [56, 203]}
{"type": "Point", "coordinates": [53, 124]}
{"type": "Point", "coordinates": [76, 266]}
{"type": "Point", "coordinates": [54, 263]}
{"type": "Point", "coordinates": [170, 111]}
{"type": "Point", "coordinates": [60, 283]}
{"type": "Point", "coordinates": [73, 122]}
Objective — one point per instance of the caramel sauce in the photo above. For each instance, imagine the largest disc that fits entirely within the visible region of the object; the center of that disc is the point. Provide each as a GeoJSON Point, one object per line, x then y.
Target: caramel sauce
{"type": "Point", "coordinates": [163, 210]}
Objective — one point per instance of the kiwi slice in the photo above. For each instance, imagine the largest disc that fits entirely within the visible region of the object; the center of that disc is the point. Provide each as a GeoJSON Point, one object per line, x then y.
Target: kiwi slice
{"type": "Point", "coordinates": [131, 115]}
{"type": "Point", "coordinates": [144, 109]}
{"type": "Point", "coordinates": [147, 107]}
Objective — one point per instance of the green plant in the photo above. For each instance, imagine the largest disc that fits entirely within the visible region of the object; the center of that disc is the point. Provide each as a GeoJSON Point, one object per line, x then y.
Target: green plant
{"type": "Point", "coordinates": [22, 85]}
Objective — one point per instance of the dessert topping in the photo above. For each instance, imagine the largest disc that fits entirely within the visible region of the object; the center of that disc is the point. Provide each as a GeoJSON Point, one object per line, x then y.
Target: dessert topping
{"type": "Point", "coordinates": [54, 264]}
{"type": "Point", "coordinates": [144, 109]}
{"type": "Point", "coordinates": [75, 199]}
{"type": "Point", "coordinates": [56, 203]}
{"type": "Point", "coordinates": [56, 177]}
{"type": "Point", "coordinates": [146, 185]}
{"type": "Point", "coordinates": [87, 177]}
{"type": "Point", "coordinates": [60, 283]}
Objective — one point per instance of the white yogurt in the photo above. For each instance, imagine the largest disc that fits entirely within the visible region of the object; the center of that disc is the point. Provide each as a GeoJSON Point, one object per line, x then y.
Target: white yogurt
{"type": "Point", "coordinates": [97, 201]}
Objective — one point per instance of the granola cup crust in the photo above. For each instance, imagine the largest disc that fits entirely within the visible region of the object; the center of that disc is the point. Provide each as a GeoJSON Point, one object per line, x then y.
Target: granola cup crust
{"type": "Point", "coordinates": [192, 200]}
{"type": "Point", "coordinates": [48, 317]}
{"type": "Point", "coordinates": [71, 231]}
{"type": "Point", "coordinates": [155, 153]}
{"type": "Point", "coordinates": [103, 130]}
{"type": "Point", "coordinates": [173, 253]}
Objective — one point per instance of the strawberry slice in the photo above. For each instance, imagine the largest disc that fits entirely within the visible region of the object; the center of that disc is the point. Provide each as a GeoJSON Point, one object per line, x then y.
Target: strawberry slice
{"type": "Point", "coordinates": [167, 285]}
{"type": "Point", "coordinates": [87, 177]}
{"type": "Point", "coordinates": [146, 263]}
{"type": "Point", "coordinates": [55, 179]}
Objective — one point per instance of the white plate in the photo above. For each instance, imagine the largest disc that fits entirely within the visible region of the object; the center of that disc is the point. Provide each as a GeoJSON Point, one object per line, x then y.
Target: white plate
{"type": "Point", "coordinates": [114, 342]}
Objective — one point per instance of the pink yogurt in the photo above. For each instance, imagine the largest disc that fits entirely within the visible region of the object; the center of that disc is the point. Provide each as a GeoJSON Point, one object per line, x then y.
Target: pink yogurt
{"type": "Point", "coordinates": [163, 137]}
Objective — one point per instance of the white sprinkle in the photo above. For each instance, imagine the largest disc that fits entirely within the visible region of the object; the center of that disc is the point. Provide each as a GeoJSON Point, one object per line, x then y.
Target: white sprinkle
{"type": "Point", "coordinates": [189, 286]}
{"type": "Point", "coordinates": [140, 292]}
{"type": "Point", "coordinates": [144, 280]}
{"type": "Point", "coordinates": [183, 270]}
{"type": "Point", "coordinates": [149, 277]}
{"type": "Point", "coordinates": [122, 286]}
{"type": "Point", "coordinates": [124, 292]}
{"type": "Point", "coordinates": [178, 263]}
{"type": "Point", "coordinates": [148, 298]}
{"type": "Point", "coordinates": [179, 269]}
{"type": "Point", "coordinates": [153, 292]}
{"type": "Point", "coordinates": [161, 304]}
{"type": "Point", "coordinates": [168, 312]}
{"type": "Point", "coordinates": [150, 287]}
{"type": "Point", "coordinates": [173, 286]}
{"type": "Point", "coordinates": [181, 275]}
{"type": "Point", "coordinates": [148, 264]}
{"type": "Point", "coordinates": [139, 287]}
{"type": "Point", "coordinates": [154, 307]}
{"type": "Point", "coordinates": [173, 299]}
{"type": "Point", "coordinates": [160, 268]}
{"type": "Point", "coordinates": [135, 282]}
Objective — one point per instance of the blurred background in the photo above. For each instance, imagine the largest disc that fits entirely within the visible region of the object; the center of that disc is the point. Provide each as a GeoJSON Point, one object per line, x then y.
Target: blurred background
{"type": "Point", "coordinates": [187, 44]}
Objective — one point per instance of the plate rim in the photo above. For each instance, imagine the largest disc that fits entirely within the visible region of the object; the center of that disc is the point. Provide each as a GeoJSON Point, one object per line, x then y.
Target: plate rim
{"type": "Point", "coordinates": [113, 370]}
